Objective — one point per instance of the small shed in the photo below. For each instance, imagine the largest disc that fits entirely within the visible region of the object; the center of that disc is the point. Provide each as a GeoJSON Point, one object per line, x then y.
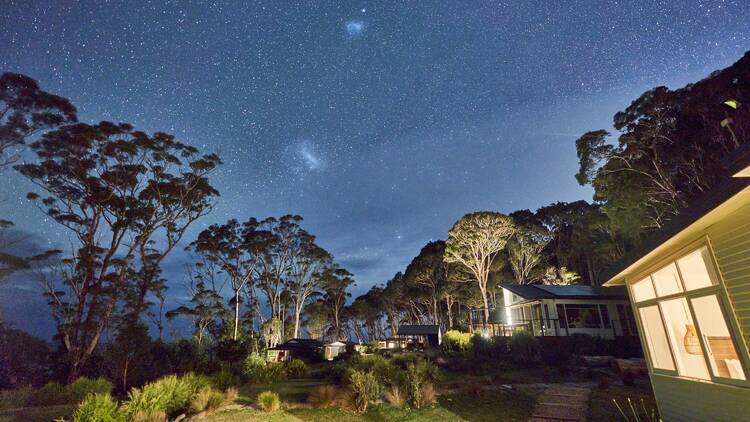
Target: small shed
{"type": "Point", "coordinates": [421, 335]}
{"type": "Point", "coordinates": [332, 350]}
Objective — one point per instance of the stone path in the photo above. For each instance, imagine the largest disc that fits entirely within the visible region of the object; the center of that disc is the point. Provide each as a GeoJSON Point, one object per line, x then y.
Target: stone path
{"type": "Point", "coordinates": [562, 402]}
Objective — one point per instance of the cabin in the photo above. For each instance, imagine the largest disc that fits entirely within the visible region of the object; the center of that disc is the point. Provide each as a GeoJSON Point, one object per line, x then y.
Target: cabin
{"type": "Point", "coordinates": [332, 350]}
{"type": "Point", "coordinates": [546, 310]}
{"type": "Point", "coordinates": [420, 336]}
{"type": "Point", "coordinates": [689, 285]}
{"type": "Point", "coordinates": [302, 348]}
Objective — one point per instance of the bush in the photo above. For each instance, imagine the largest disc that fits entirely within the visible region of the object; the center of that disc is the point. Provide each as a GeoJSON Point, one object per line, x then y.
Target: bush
{"type": "Point", "coordinates": [223, 379]}
{"type": "Point", "coordinates": [456, 341]}
{"type": "Point", "coordinates": [254, 368]}
{"type": "Point", "coordinates": [323, 396]}
{"type": "Point", "coordinates": [53, 393]}
{"type": "Point", "coordinates": [83, 386]}
{"type": "Point", "coordinates": [380, 367]}
{"type": "Point", "coordinates": [366, 388]}
{"type": "Point", "coordinates": [232, 393]}
{"type": "Point", "coordinates": [296, 368]}
{"type": "Point", "coordinates": [524, 348]}
{"type": "Point", "coordinates": [269, 401]}
{"type": "Point", "coordinates": [417, 375]}
{"type": "Point", "coordinates": [98, 407]}
{"type": "Point", "coordinates": [206, 400]}
{"type": "Point", "coordinates": [473, 389]}
{"type": "Point", "coordinates": [429, 394]}
{"type": "Point", "coordinates": [149, 416]}
{"type": "Point", "coordinates": [170, 394]}
{"type": "Point", "coordinates": [394, 396]}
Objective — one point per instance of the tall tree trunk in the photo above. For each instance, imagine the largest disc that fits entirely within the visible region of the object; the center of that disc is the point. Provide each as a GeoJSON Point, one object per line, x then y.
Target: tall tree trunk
{"type": "Point", "coordinates": [236, 313]}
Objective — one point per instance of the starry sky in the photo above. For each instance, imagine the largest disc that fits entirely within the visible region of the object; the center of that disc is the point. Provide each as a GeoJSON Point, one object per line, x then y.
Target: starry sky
{"type": "Point", "coordinates": [381, 123]}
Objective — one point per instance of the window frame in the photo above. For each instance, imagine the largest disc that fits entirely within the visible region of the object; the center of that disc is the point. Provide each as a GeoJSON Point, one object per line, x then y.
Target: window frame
{"type": "Point", "coordinates": [718, 289]}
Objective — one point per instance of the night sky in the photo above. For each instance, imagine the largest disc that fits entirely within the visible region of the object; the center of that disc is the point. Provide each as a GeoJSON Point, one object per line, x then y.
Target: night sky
{"type": "Point", "coordinates": [380, 123]}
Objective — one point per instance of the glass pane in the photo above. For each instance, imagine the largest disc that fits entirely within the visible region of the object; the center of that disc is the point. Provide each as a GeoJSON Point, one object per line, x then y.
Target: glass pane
{"type": "Point", "coordinates": [696, 269]}
{"type": "Point", "coordinates": [667, 281]}
{"type": "Point", "coordinates": [583, 316]}
{"type": "Point", "coordinates": [643, 290]}
{"type": "Point", "coordinates": [656, 338]}
{"type": "Point", "coordinates": [684, 339]}
{"type": "Point", "coordinates": [722, 355]}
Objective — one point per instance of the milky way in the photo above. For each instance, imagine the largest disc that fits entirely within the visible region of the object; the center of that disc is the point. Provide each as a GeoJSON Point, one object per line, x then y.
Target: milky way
{"type": "Point", "coordinates": [380, 122]}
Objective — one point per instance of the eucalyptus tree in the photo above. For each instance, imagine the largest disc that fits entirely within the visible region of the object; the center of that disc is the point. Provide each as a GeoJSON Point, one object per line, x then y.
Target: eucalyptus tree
{"type": "Point", "coordinates": [336, 281]}
{"type": "Point", "coordinates": [474, 242]}
{"type": "Point", "coordinates": [206, 305]}
{"type": "Point", "coordinates": [307, 262]}
{"type": "Point", "coordinates": [428, 273]}
{"type": "Point", "coordinates": [525, 248]}
{"type": "Point", "coordinates": [25, 111]}
{"type": "Point", "coordinates": [239, 251]}
{"type": "Point", "coordinates": [115, 189]}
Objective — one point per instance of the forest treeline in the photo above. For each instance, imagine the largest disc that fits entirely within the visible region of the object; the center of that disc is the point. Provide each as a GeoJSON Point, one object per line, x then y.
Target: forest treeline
{"type": "Point", "coordinates": [127, 199]}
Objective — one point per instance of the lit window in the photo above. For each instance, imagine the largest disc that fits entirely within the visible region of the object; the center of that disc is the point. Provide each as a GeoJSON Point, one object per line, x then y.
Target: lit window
{"type": "Point", "coordinates": [656, 338]}
{"type": "Point", "coordinates": [643, 290]}
{"type": "Point", "coordinates": [725, 363]}
{"type": "Point", "coordinates": [695, 270]}
{"type": "Point", "coordinates": [684, 328]}
{"type": "Point", "coordinates": [667, 281]}
{"type": "Point", "coordinates": [684, 339]}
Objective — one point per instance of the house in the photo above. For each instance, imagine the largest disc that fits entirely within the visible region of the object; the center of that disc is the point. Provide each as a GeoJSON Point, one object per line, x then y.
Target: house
{"type": "Point", "coordinates": [303, 348]}
{"type": "Point", "coordinates": [563, 310]}
{"type": "Point", "coordinates": [689, 285]}
{"type": "Point", "coordinates": [420, 335]}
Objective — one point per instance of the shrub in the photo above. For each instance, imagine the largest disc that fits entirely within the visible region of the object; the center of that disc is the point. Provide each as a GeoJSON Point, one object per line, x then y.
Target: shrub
{"type": "Point", "coordinates": [232, 393]}
{"type": "Point", "coordinates": [51, 394]}
{"type": "Point", "coordinates": [206, 400]}
{"type": "Point", "coordinates": [254, 367]}
{"type": "Point", "coordinates": [417, 375]}
{"type": "Point", "coordinates": [394, 396]}
{"type": "Point", "coordinates": [149, 416]}
{"type": "Point", "coordinates": [323, 396]}
{"type": "Point", "coordinates": [83, 386]}
{"type": "Point", "coordinates": [366, 389]}
{"type": "Point", "coordinates": [19, 397]}
{"type": "Point", "coordinates": [170, 394]}
{"type": "Point", "coordinates": [524, 347]}
{"type": "Point", "coordinates": [429, 394]}
{"type": "Point", "coordinates": [269, 401]}
{"type": "Point", "coordinates": [456, 341]}
{"type": "Point", "coordinates": [296, 368]}
{"type": "Point", "coordinates": [223, 379]}
{"type": "Point", "coordinates": [98, 407]}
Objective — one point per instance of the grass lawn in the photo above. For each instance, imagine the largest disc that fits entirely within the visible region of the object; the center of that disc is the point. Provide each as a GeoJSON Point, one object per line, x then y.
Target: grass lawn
{"type": "Point", "coordinates": [497, 405]}
{"type": "Point", "coordinates": [601, 407]}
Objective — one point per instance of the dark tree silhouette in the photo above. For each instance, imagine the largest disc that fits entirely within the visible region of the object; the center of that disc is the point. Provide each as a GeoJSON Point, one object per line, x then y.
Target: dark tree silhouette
{"type": "Point", "coordinates": [26, 110]}
{"type": "Point", "coordinates": [115, 189]}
